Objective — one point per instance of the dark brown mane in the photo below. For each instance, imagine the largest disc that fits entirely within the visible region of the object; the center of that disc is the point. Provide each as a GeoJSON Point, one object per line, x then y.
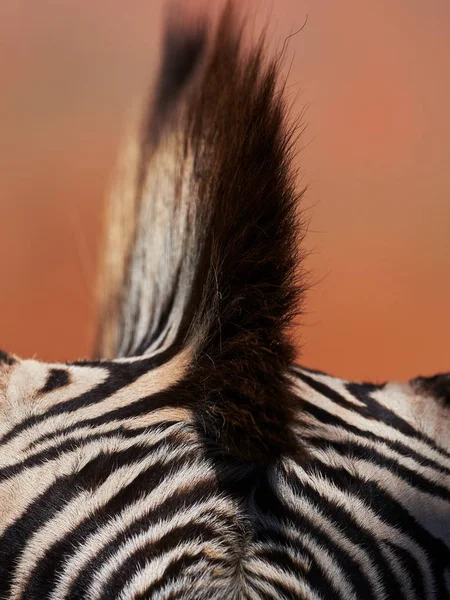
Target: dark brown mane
{"type": "Point", "coordinates": [215, 161]}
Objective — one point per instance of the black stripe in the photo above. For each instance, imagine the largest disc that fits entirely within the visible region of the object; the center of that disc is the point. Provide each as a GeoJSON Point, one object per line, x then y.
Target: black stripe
{"type": "Point", "coordinates": [300, 368]}
{"type": "Point", "coordinates": [57, 378]}
{"type": "Point", "coordinates": [437, 386]}
{"type": "Point", "coordinates": [6, 358]}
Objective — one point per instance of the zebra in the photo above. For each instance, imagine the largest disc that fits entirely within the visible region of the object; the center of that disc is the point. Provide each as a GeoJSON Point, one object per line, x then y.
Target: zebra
{"type": "Point", "coordinates": [194, 459]}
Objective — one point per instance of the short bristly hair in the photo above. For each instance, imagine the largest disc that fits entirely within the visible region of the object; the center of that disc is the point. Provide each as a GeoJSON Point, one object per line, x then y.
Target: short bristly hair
{"type": "Point", "coordinates": [203, 246]}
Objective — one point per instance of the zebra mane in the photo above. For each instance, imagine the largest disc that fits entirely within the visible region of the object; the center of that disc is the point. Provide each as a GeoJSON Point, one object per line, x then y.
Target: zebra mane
{"type": "Point", "coordinates": [202, 248]}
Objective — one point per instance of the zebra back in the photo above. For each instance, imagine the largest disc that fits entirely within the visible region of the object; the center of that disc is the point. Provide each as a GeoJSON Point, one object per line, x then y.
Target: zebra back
{"type": "Point", "coordinates": [194, 459]}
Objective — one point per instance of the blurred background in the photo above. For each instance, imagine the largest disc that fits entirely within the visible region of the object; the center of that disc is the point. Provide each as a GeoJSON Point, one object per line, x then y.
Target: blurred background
{"type": "Point", "coordinates": [375, 78]}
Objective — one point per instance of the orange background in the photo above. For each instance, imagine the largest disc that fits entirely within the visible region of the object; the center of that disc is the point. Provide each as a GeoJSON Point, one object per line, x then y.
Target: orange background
{"type": "Point", "coordinates": [376, 79]}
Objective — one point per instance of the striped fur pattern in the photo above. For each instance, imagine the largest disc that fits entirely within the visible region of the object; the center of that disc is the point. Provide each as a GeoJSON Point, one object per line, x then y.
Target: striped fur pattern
{"type": "Point", "coordinates": [108, 491]}
{"type": "Point", "coordinates": [195, 460]}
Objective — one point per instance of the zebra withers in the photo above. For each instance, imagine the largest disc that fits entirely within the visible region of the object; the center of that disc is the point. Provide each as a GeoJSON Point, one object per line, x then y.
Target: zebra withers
{"type": "Point", "coordinates": [194, 459]}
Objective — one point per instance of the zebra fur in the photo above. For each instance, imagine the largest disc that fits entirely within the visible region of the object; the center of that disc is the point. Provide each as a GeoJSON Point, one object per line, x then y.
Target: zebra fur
{"type": "Point", "coordinates": [104, 477]}
{"type": "Point", "coordinates": [194, 459]}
